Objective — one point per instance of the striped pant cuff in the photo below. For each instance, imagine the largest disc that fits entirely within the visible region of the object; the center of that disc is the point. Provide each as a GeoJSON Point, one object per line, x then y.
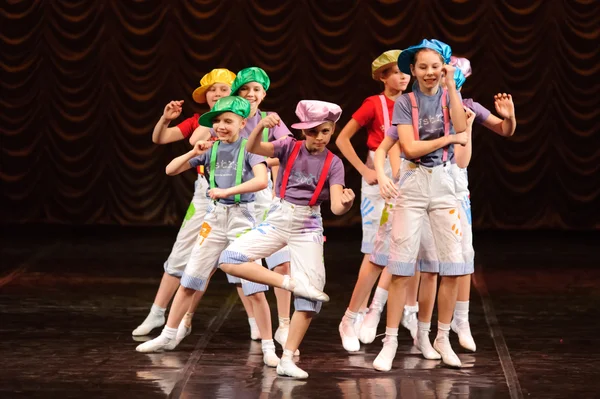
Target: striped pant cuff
{"type": "Point", "coordinates": [195, 283]}
{"type": "Point", "coordinates": [406, 269]}
{"type": "Point", "coordinates": [379, 259]}
{"type": "Point", "coordinates": [306, 305]}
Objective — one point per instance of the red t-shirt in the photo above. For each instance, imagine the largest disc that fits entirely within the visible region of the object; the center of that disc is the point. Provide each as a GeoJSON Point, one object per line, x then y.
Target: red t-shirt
{"type": "Point", "coordinates": [370, 114]}
{"type": "Point", "coordinates": [188, 126]}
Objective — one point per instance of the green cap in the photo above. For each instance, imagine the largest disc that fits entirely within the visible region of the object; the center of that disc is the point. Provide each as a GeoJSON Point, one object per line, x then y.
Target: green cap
{"type": "Point", "coordinates": [235, 104]}
{"type": "Point", "coordinates": [252, 74]}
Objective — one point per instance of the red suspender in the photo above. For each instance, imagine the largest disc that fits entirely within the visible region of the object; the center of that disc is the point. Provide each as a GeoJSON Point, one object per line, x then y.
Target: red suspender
{"type": "Point", "coordinates": [288, 168]}
{"type": "Point", "coordinates": [288, 171]}
{"type": "Point", "coordinates": [446, 123]}
{"type": "Point", "coordinates": [385, 112]}
{"type": "Point", "coordinates": [322, 178]}
{"type": "Point", "coordinates": [415, 119]}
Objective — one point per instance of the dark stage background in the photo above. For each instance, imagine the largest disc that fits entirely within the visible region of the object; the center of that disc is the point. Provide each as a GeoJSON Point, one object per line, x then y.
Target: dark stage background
{"type": "Point", "coordinates": [84, 82]}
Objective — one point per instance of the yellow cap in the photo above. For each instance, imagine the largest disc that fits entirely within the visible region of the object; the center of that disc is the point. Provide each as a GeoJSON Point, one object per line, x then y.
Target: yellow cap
{"type": "Point", "coordinates": [219, 75]}
{"type": "Point", "coordinates": [383, 61]}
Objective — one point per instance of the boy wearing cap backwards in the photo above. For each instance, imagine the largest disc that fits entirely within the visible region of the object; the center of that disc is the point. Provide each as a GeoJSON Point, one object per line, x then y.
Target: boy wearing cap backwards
{"type": "Point", "coordinates": [234, 176]}
{"type": "Point", "coordinates": [252, 84]}
{"type": "Point", "coordinates": [428, 256]}
{"type": "Point", "coordinates": [309, 174]}
{"type": "Point", "coordinates": [426, 121]}
{"type": "Point", "coordinates": [213, 86]}
{"type": "Point", "coordinates": [375, 113]}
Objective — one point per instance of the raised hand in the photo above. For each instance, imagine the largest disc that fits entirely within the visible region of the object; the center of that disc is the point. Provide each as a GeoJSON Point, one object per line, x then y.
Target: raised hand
{"type": "Point", "coordinates": [202, 146]}
{"type": "Point", "coordinates": [504, 105]}
{"type": "Point", "coordinates": [271, 120]}
{"type": "Point", "coordinates": [470, 117]}
{"type": "Point", "coordinates": [347, 196]}
{"type": "Point", "coordinates": [173, 110]}
{"type": "Point", "coordinates": [448, 71]}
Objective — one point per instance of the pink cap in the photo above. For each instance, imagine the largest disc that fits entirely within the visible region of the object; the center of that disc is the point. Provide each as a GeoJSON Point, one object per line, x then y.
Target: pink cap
{"type": "Point", "coordinates": [313, 112]}
{"type": "Point", "coordinates": [463, 64]}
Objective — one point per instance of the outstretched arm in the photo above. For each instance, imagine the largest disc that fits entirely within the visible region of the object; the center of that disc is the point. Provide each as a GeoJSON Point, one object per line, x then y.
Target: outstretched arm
{"type": "Point", "coordinates": [506, 109]}
{"type": "Point", "coordinates": [182, 162]}
{"type": "Point", "coordinates": [164, 134]}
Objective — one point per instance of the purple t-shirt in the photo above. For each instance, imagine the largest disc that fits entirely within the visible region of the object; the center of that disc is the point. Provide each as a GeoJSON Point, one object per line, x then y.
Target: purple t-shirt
{"type": "Point", "coordinates": [275, 133]}
{"type": "Point", "coordinates": [226, 167]}
{"type": "Point", "coordinates": [306, 172]}
{"type": "Point", "coordinates": [431, 121]}
{"type": "Point", "coordinates": [481, 112]}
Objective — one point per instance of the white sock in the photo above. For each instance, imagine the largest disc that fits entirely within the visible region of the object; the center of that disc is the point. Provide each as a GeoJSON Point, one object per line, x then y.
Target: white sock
{"type": "Point", "coordinates": [443, 330]}
{"type": "Point", "coordinates": [391, 332]}
{"type": "Point", "coordinates": [157, 310]}
{"type": "Point", "coordinates": [412, 309]}
{"type": "Point", "coordinates": [350, 315]}
{"type": "Point", "coordinates": [461, 311]}
{"type": "Point", "coordinates": [287, 355]}
{"type": "Point", "coordinates": [284, 322]}
{"type": "Point", "coordinates": [424, 326]}
{"type": "Point", "coordinates": [380, 296]}
{"type": "Point", "coordinates": [169, 332]}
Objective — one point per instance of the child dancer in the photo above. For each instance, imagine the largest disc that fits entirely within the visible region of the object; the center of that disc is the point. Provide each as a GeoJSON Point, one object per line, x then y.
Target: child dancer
{"type": "Point", "coordinates": [213, 86]}
{"type": "Point", "coordinates": [234, 176]}
{"type": "Point", "coordinates": [309, 175]}
{"type": "Point", "coordinates": [428, 263]}
{"type": "Point", "coordinates": [252, 84]}
{"type": "Point", "coordinates": [375, 113]}
{"type": "Point", "coordinates": [425, 121]}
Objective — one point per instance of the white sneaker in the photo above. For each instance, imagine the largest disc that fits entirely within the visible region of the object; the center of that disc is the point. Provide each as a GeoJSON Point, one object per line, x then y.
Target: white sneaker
{"type": "Point", "coordinates": [463, 329]}
{"type": "Point", "coordinates": [182, 332]}
{"type": "Point", "coordinates": [348, 335]}
{"type": "Point", "coordinates": [383, 361]}
{"type": "Point", "coordinates": [151, 322]}
{"type": "Point", "coordinates": [281, 336]}
{"type": "Point", "coordinates": [305, 290]}
{"type": "Point", "coordinates": [449, 358]}
{"type": "Point", "coordinates": [368, 330]}
{"type": "Point", "coordinates": [409, 321]}
{"type": "Point", "coordinates": [288, 368]}
{"type": "Point", "coordinates": [269, 356]}
{"type": "Point", "coordinates": [424, 346]}
{"type": "Point", "coordinates": [158, 344]}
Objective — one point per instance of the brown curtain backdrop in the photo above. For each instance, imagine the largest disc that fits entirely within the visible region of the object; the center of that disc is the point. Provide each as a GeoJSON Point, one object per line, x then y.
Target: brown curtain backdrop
{"type": "Point", "coordinates": [84, 82]}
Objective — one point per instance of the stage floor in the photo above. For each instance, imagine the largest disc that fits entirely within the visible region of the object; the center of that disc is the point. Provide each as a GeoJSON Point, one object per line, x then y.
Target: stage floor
{"type": "Point", "coordinates": [69, 299]}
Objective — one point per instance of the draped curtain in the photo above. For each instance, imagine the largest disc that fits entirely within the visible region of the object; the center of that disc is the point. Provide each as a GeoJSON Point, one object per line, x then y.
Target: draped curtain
{"type": "Point", "coordinates": [84, 82]}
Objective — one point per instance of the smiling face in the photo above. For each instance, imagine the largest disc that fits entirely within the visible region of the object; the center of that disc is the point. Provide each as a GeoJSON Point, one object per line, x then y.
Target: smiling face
{"type": "Point", "coordinates": [227, 126]}
{"type": "Point", "coordinates": [254, 93]}
{"type": "Point", "coordinates": [427, 69]}
{"type": "Point", "coordinates": [216, 91]}
{"type": "Point", "coordinates": [394, 79]}
{"type": "Point", "coordinates": [318, 137]}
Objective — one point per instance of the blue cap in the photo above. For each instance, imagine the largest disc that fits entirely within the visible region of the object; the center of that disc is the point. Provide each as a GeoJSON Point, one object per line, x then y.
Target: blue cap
{"type": "Point", "coordinates": [407, 56]}
{"type": "Point", "coordinates": [459, 78]}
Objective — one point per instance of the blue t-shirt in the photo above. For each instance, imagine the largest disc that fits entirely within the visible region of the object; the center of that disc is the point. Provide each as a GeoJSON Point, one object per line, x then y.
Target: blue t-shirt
{"type": "Point", "coordinates": [226, 168]}
{"type": "Point", "coordinates": [431, 121]}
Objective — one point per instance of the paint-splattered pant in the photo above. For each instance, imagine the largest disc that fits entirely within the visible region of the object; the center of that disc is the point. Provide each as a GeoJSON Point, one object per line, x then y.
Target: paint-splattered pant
{"type": "Point", "coordinates": [221, 226]}
{"type": "Point", "coordinates": [426, 193]}
{"type": "Point", "coordinates": [301, 229]}
{"type": "Point", "coordinates": [371, 206]}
